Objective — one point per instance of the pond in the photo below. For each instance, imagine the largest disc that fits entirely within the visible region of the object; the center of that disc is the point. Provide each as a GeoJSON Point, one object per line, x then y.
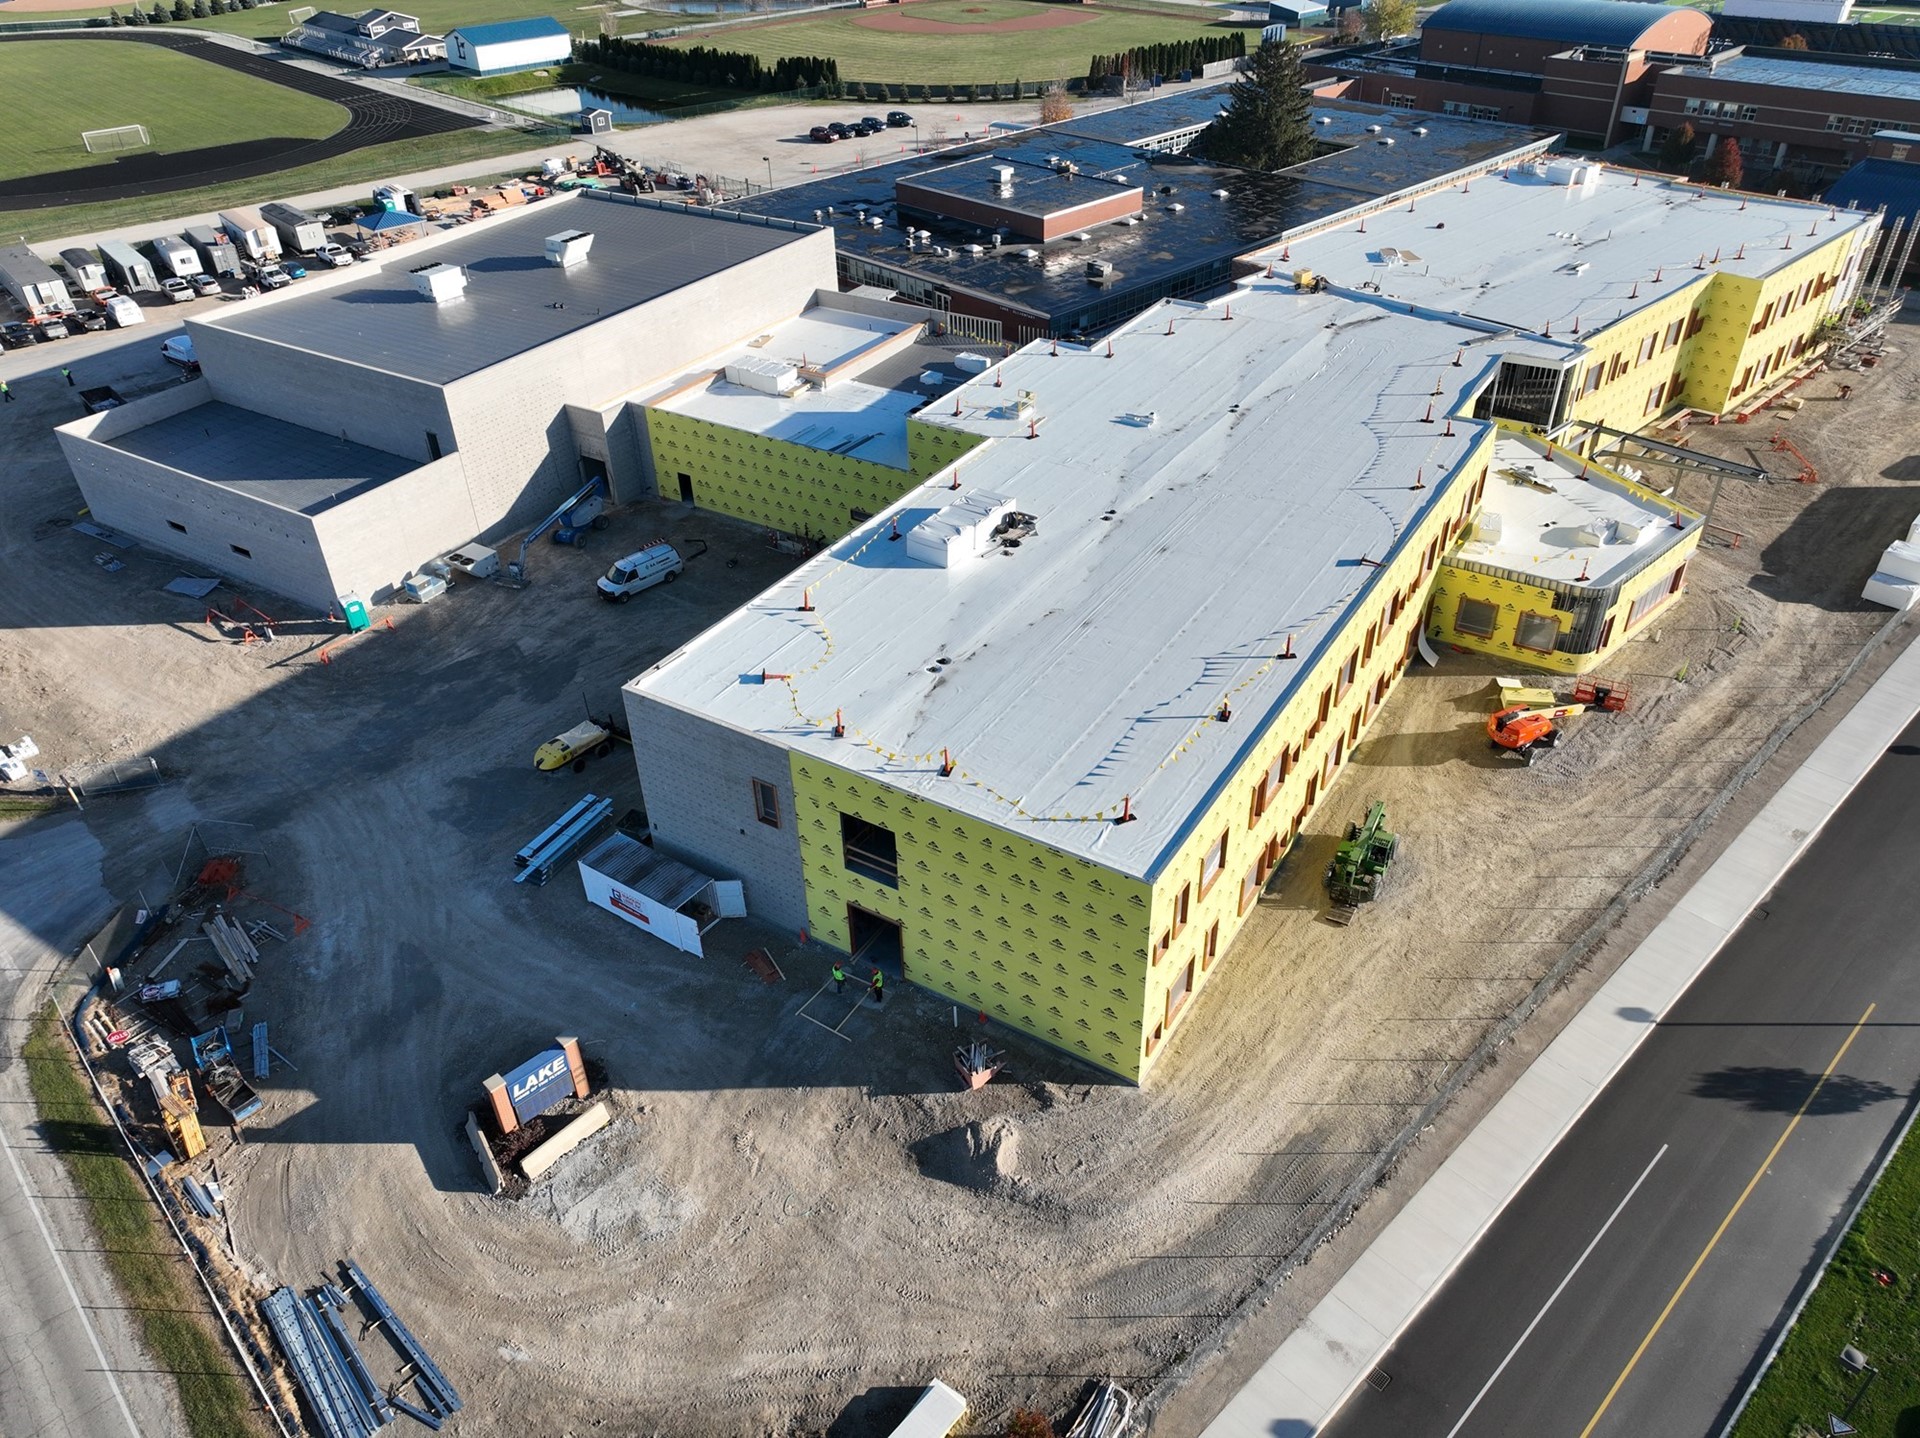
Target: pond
{"type": "Point", "coordinates": [568, 101]}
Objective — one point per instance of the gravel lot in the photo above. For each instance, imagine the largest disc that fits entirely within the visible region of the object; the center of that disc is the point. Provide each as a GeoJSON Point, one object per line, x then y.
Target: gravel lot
{"type": "Point", "coordinates": [783, 1233]}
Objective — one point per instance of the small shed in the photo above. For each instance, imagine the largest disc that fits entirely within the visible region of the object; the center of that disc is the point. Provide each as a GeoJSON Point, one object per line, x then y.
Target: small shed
{"type": "Point", "coordinates": [596, 122]}
{"type": "Point", "coordinates": [1303, 13]}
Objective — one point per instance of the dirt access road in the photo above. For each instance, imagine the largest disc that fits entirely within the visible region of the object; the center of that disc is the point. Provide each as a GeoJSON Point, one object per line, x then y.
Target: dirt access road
{"type": "Point", "coordinates": [783, 1232]}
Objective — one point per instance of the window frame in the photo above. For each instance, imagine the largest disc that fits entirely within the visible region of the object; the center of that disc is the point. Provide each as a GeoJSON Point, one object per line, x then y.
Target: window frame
{"type": "Point", "coordinates": [762, 790]}
{"type": "Point", "coordinates": [1213, 863]}
{"type": "Point", "coordinates": [1532, 614]}
{"type": "Point", "coordinates": [1493, 621]}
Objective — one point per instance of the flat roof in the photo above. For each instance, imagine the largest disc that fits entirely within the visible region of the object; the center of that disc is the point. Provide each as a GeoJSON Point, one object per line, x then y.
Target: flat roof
{"type": "Point", "coordinates": [1170, 559]}
{"type": "Point", "coordinates": [850, 416]}
{"type": "Point", "coordinates": [1524, 249]}
{"type": "Point", "coordinates": [515, 301]}
{"type": "Point", "coordinates": [263, 458]}
{"type": "Point", "coordinates": [1563, 524]}
{"type": "Point", "coordinates": [1036, 191]}
{"type": "Point", "coordinates": [1193, 246]}
{"type": "Point", "coordinates": [1883, 82]}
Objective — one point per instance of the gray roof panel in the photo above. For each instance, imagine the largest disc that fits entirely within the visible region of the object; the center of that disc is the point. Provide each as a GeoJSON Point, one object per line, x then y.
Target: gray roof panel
{"type": "Point", "coordinates": [514, 301]}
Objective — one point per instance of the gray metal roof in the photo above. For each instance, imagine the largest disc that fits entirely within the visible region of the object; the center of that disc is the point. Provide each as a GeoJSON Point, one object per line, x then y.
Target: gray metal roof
{"type": "Point", "coordinates": [1817, 73]}
{"type": "Point", "coordinates": [514, 301]}
{"type": "Point", "coordinates": [263, 458]}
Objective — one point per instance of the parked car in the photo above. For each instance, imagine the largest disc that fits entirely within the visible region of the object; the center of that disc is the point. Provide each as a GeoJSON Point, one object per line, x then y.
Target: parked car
{"type": "Point", "coordinates": [839, 129]}
{"type": "Point", "coordinates": [178, 350]}
{"type": "Point", "coordinates": [821, 135]}
{"type": "Point", "coordinates": [17, 336]}
{"type": "Point", "coordinates": [872, 124]}
{"type": "Point", "coordinates": [177, 289]}
{"type": "Point", "coordinates": [272, 277]}
{"type": "Point", "coordinates": [295, 270]}
{"type": "Point", "coordinates": [53, 327]}
{"type": "Point", "coordinates": [83, 321]}
{"type": "Point", "coordinates": [899, 119]}
{"type": "Point", "coordinates": [204, 284]}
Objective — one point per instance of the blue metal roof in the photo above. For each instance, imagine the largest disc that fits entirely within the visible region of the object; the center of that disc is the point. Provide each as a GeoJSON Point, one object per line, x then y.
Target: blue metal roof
{"type": "Point", "coordinates": [1576, 22]}
{"type": "Point", "coordinates": [1873, 183]}
{"type": "Point", "coordinates": [509, 30]}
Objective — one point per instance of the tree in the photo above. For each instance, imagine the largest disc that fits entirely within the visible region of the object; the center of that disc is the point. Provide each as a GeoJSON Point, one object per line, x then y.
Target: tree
{"type": "Point", "coordinates": [1676, 151]}
{"type": "Point", "coordinates": [1268, 123]}
{"type": "Point", "coordinates": [1384, 19]}
{"type": "Point", "coordinates": [1726, 166]}
{"type": "Point", "coordinates": [1351, 27]}
{"type": "Point", "coordinates": [1027, 1423]}
{"type": "Point", "coordinates": [1794, 42]}
{"type": "Point", "coordinates": [1054, 104]}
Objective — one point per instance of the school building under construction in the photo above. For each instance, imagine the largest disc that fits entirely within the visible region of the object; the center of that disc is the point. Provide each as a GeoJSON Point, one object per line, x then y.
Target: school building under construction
{"type": "Point", "coordinates": [1044, 724]}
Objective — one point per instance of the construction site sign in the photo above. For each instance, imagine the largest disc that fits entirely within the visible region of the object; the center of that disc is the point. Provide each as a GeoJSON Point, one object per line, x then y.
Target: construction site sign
{"type": "Point", "coordinates": [540, 1083]}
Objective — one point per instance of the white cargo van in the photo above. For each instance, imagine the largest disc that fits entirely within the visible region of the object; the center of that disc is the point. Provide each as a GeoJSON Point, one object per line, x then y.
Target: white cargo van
{"type": "Point", "coordinates": [658, 563]}
{"type": "Point", "coordinates": [123, 311]}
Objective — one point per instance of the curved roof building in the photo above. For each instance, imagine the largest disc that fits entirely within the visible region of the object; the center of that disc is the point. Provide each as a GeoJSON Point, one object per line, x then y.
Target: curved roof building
{"type": "Point", "coordinates": [1519, 33]}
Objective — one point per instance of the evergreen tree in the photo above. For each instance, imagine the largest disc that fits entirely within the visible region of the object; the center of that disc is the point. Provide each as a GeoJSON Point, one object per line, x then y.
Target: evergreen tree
{"type": "Point", "coordinates": [1268, 124]}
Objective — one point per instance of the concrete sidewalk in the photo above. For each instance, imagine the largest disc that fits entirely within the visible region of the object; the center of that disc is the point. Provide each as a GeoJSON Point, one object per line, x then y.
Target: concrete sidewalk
{"type": "Point", "coordinates": [1312, 1373]}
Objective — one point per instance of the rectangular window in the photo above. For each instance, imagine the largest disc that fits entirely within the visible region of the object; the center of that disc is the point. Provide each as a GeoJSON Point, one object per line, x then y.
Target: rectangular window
{"type": "Point", "coordinates": [1538, 632]}
{"type": "Point", "coordinates": [1347, 672]}
{"type": "Point", "coordinates": [1646, 604]}
{"type": "Point", "coordinates": [1211, 863]}
{"type": "Point", "coordinates": [175, 524]}
{"type": "Point", "coordinates": [1211, 949]}
{"type": "Point", "coordinates": [1653, 399]}
{"type": "Point", "coordinates": [1647, 347]}
{"type": "Point", "coordinates": [433, 445]}
{"type": "Point", "coordinates": [1674, 332]}
{"type": "Point", "coordinates": [243, 553]}
{"type": "Point", "coordinates": [1180, 906]}
{"type": "Point", "coordinates": [1476, 617]}
{"type": "Point", "coordinates": [1596, 376]}
{"type": "Point", "coordinates": [870, 851]}
{"type": "Point", "coordinates": [1181, 991]}
{"type": "Point", "coordinates": [1250, 888]}
{"type": "Point", "coordinates": [1166, 942]}
{"type": "Point", "coordinates": [1679, 581]}
{"type": "Point", "coordinates": [766, 803]}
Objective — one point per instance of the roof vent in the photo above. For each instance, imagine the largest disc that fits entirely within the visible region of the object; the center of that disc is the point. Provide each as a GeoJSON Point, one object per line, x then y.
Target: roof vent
{"type": "Point", "coordinates": [1323, 119]}
{"type": "Point", "coordinates": [1384, 140]}
{"type": "Point", "coordinates": [1419, 129]}
{"type": "Point", "coordinates": [1003, 177]}
{"type": "Point", "coordinates": [1373, 129]}
{"type": "Point", "coordinates": [1219, 194]}
{"type": "Point", "coordinates": [1032, 257]}
{"type": "Point", "coordinates": [440, 283]}
{"type": "Point", "coordinates": [569, 248]}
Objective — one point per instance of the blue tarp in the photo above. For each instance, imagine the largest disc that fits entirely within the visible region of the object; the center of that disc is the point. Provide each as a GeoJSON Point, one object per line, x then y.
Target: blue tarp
{"type": "Point", "coordinates": [387, 220]}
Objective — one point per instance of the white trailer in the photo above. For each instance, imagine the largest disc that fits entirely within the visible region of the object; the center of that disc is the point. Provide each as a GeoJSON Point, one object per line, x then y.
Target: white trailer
{"type": "Point", "coordinates": [32, 282]}
{"type": "Point", "coordinates": [252, 236]}
{"type": "Point", "coordinates": [298, 230]}
{"type": "Point", "coordinates": [174, 257]}
{"type": "Point", "coordinates": [127, 268]}
{"type": "Point", "coordinates": [84, 269]}
{"type": "Point", "coordinates": [216, 251]}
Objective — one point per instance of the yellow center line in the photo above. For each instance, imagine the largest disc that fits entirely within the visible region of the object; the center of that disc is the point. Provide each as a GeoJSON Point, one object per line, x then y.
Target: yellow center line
{"type": "Point", "coordinates": [1712, 1243]}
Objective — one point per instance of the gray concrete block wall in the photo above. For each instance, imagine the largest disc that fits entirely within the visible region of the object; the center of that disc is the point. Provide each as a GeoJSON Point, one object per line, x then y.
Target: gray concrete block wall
{"type": "Point", "coordinates": [378, 538]}
{"type": "Point", "coordinates": [332, 395]}
{"type": "Point", "coordinates": [697, 777]}
{"type": "Point", "coordinates": [139, 497]}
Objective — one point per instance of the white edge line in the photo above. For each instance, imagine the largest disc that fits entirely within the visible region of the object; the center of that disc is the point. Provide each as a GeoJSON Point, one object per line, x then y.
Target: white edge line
{"type": "Point", "coordinates": [46, 1234]}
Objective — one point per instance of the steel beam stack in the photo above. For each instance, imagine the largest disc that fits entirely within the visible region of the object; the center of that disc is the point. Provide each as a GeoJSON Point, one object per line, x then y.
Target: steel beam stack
{"type": "Point", "coordinates": [442, 1400]}
{"type": "Point", "coordinates": [561, 838]}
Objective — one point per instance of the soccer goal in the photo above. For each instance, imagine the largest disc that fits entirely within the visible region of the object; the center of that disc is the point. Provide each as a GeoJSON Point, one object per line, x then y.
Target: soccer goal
{"type": "Point", "coordinates": [119, 137]}
{"type": "Point", "coordinates": [298, 17]}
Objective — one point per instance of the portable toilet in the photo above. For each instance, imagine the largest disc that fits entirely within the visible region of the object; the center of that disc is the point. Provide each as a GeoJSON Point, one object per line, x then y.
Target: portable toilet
{"type": "Point", "coordinates": [353, 609]}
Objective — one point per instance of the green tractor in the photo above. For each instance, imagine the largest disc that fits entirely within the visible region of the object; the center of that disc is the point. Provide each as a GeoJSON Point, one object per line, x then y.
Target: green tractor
{"type": "Point", "coordinates": [1359, 868]}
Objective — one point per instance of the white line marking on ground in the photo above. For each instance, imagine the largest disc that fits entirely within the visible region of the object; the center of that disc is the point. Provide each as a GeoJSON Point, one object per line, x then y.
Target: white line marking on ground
{"type": "Point", "coordinates": [1584, 1255]}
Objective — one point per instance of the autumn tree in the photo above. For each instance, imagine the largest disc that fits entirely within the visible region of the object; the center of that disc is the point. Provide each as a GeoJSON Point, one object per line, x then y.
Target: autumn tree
{"type": "Point", "coordinates": [1384, 19]}
{"type": "Point", "coordinates": [1794, 42]}
{"type": "Point", "coordinates": [1676, 151]}
{"type": "Point", "coordinates": [1726, 165]}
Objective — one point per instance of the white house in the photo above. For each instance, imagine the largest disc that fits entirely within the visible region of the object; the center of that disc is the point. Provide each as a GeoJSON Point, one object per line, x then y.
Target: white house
{"type": "Point", "coordinates": [510, 45]}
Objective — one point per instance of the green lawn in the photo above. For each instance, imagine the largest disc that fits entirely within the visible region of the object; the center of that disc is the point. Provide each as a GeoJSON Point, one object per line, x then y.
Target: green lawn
{"type": "Point", "coordinates": [965, 56]}
{"type": "Point", "coordinates": [184, 103]}
{"type": "Point", "coordinates": [167, 1303]}
{"type": "Point", "coordinates": [1853, 1307]}
{"type": "Point", "coordinates": [380, 162]}
{"type": "Point", "coordinates": [269, 22]}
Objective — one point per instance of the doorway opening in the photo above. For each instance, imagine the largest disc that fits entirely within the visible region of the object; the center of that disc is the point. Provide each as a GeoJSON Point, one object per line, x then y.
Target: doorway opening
{"type": "Point", "coordinates": [874, 942]}
{"type": "Point", "coordinates": [686, 488]}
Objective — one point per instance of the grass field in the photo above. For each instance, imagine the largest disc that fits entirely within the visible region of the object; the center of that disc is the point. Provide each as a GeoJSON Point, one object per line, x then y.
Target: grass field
{"type": "Point", "coordinates": [184, 103]}
{"type": "Point", "coordinates": [379, 162]}
{"type": "Point", "coordinates": [267, 22]}
{"type": "Point", "coordinates": [972, 53]}
{"type": "Point", "coordinates": [146, 1264]}
{"type": "Point", "coordinates": [1852, 1306]}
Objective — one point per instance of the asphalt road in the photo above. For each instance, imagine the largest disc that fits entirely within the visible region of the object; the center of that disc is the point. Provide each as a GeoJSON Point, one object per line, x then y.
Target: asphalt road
{"type": "Point", "coordinates": [1637, 1281]}
{"type": "Point", "coordinates": [69, 1364]}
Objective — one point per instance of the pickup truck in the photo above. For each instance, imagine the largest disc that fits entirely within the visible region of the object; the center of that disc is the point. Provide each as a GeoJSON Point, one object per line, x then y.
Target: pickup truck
{"type": "Point", "coordinates": [591, 740]}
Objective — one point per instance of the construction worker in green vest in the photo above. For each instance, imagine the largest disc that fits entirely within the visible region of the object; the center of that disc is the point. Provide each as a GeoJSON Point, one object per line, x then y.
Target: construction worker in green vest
{"type": "Point", "coordinates": [879, 987]}
{"type": "Point", "coordinates": [839, 977]}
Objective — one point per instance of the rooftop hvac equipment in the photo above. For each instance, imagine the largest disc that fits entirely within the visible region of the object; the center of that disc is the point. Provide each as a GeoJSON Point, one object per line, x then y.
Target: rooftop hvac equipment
{"type": "Point", "coordinates": [1384, 140]}
{"type": "Point", "coordinates": [440, 283]}
{"type": "Point", "coordinates": [1175, 208]}
{"type": "Point", "coordinates": [476, 560]}
{"type": "Point", "coordinates": [569, 248]}
{"type": "Point", "coordinates": [1003, 177]}
{"type": "Point", "coordinates": [1099, 271]}
{"type": "Point", "coordinates": [1130, 221]}
{"type": "Point", "coordinates": [767, 376]}
{"type": "Point", "coordinates": [1081, 236]}
{"type": "Point", "coordinates": [1488, 527]}
{"type": "Point", "coordinates": [958, 533]}
{"type": "Point", "coordinates": [1419, 129]}
{"type": "Point", "coordinates": [1323, 119]}
{"type": "Point", "coordinates": [975, 249]}
{"type": "Point", "coordinates": [1032, 257]}
{"type": "Point", "coordinates": [1373, 129]}
{"type": "Point", "coordinates": [1220, 194]}
{"type": "Point", "coordinates": [968, 362]}
{"type": "Point", "coordinates": [874, 223]}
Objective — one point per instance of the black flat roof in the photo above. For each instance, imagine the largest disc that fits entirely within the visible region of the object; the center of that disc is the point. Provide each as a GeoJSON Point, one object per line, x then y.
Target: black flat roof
{"type": "Point", "coordinates": [1037, 190]}
{"type": "Point", "coordinates": [1188, 233]}
{"type": "Point", "coordinates": [514, 300]}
